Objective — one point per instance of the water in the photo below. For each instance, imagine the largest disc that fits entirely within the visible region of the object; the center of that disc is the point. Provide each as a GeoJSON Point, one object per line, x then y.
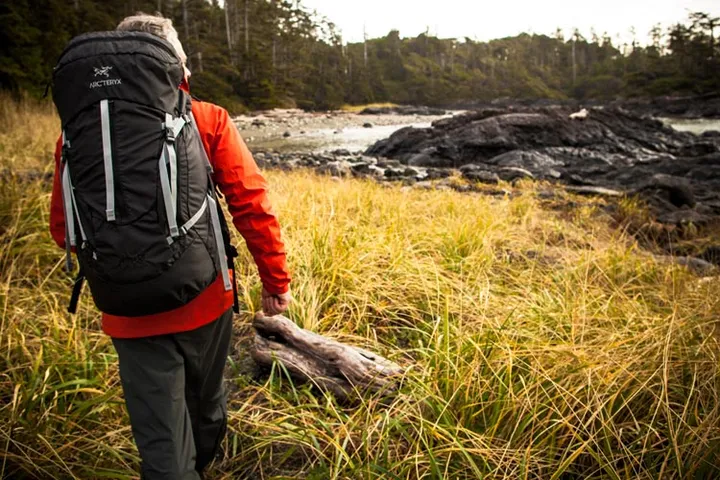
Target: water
{"type": "Point", "coordinates": [351, 138]}
{"type": "Point", "coordinates": [355, 138]}
{"type": "Point", "coordinates": [696, 126]}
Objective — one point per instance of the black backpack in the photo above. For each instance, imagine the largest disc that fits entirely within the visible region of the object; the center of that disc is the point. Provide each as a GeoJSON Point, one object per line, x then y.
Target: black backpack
{"type": "Point", "coordinates": [139, 201]}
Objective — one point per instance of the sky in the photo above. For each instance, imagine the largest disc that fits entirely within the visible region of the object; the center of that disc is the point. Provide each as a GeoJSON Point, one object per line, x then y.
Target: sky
{"type": "Point", "coordinates": [489, 19]}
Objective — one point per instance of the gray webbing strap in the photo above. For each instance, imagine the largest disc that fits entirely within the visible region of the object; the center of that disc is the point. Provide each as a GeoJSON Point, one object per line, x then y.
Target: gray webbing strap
{"type": "Point", "coordinates": [167, 195]}
{"type": "Point", "coordinates": [69, 208]}
{"type": "Point", "coordinates": [173, 127]}
{"type": "Point", "coordinates": [77, 215]}
{"type": "Point", "coordinates": [172, 162]}
{"type": "Point", "coordinates": [215, 216]}
{"type": "Point", "coordinates": [176, 124]}
{"type": "Point", "coordinates": [191, 223]}
{"type": "Point", "coordinates": [219, 242]}
{"type": "Point", "coordinates": [195, 218]}
{"type": "Point", "coordinates": [107, 156]}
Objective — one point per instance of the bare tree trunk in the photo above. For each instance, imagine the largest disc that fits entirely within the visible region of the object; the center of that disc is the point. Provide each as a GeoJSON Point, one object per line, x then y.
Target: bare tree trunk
{"type": "Point", "coordinates": [159, 9]}
{"type": "Point", "coordinates": [228, 33]}
{"type": "Point", "coordinates": [187, 31]}
{"type": "Point", "coordinates": [365, 46]}
{"type": "Point", "coordinates": [274, 52]}
{"type": "Point", "coordinates": [185, 19]}
{"type": "Point", "coordinates": [196, 34]}
{"type": "Point", "coordinates": [274, 58]}
{"type": "Point", "coordinates": [574, 63]}
{"type": "Point", "coordinates": [247, 28]}
{"type": "Point", "coordinates": [236, 33]}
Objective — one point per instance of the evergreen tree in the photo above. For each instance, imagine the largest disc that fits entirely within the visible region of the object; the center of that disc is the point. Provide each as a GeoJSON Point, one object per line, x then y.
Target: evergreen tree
{"type": "Point", "coordinates": [268, 53]}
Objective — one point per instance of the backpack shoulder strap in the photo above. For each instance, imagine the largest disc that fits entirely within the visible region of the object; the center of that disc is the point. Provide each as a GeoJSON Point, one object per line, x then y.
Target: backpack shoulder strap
{"type": "Point", "coordinates": [222, 233]}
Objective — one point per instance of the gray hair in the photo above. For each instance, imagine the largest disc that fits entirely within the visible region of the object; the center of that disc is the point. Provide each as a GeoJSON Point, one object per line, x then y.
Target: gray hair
{"type": "Point", "coordinates": [157, 25]}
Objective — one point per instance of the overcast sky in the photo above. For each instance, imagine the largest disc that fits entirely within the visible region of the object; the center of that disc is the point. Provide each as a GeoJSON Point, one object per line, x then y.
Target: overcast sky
{"type": "Point", "coordinates": [489, 19]}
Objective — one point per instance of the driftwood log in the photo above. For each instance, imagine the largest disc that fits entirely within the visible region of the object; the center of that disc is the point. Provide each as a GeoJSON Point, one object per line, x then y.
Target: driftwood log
{"type": "Point", "coordinates": [332, 366]}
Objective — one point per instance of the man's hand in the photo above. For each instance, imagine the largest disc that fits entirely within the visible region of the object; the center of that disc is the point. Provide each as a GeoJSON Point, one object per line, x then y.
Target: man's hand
{"type": "Point", "coordinates": [275, 304]}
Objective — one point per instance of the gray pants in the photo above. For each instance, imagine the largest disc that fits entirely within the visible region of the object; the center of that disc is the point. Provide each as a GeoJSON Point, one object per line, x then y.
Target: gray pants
{"type": "Point", "coordinates": [174, 392]}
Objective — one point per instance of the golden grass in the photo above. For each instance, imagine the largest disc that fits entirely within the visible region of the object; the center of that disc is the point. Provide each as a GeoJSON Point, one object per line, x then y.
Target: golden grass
{"type": "Point", "coordinates": [28, 132]}
{"type": "Point", "coordinates": [360, 108]}
{"type": "Point", "coordinates": [543, 344]}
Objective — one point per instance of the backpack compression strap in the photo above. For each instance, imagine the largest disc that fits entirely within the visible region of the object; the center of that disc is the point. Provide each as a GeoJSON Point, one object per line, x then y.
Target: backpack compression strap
{"type": "Point", "coordinates": [107, 161]}
{"type": "Point", "coordinates": [168, 183]}
{"type": "Point", "coordinates": [219, 241]}
{"type": "Point", "coordinates": [71, 214]}
{"type": "Point", "coordinates": [69, 206]}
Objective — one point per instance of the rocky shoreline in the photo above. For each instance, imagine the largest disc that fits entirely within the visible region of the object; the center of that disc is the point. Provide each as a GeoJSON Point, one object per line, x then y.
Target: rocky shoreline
{"type": "Point", "coordinates": [596, 152]}
{"type": "Point", "coordinates": [600, 152]}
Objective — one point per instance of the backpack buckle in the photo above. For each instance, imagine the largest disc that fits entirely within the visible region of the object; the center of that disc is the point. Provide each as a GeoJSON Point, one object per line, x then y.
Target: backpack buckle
{"type": "Point", "coordinates": [170, 133]}
{"type": "Point", "coordinates": [65, 147]}
{"type": "Point", "coordinates": [64, 152]}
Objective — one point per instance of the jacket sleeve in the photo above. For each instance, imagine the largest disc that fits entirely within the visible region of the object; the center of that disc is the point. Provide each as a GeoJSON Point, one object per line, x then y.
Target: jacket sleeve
{"type": "Point", "coordinates": [245, 190]}
{"type": "Point", "coordinates": [57, 215]}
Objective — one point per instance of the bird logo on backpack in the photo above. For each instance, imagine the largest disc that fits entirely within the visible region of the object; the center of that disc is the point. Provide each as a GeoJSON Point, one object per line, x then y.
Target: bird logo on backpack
{"type": "Point", "coordinates": [102, 71]}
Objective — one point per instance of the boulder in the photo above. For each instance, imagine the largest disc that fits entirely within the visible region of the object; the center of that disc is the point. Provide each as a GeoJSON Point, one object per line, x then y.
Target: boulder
{"type": "Point", "coordinates": [336, 169]}
{"type": "Point", "coordinates": [481, 176]}
{"type": "Point", "coordinates": [679, 189]}
{"type": "Point", "coordinates": [510, 174]}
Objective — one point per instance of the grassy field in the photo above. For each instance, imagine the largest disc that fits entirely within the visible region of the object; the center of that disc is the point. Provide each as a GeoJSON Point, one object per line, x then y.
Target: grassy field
{"type": "Point", "coordinates": [541, 341]}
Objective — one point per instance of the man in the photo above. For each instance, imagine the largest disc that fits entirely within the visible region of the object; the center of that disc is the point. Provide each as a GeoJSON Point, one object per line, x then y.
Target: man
{"type": "Point", "coordinates": [171, 363]}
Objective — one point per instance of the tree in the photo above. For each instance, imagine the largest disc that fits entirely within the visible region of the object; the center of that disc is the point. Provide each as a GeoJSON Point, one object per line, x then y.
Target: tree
{"type": "Point", "coordinates": [268, 53]}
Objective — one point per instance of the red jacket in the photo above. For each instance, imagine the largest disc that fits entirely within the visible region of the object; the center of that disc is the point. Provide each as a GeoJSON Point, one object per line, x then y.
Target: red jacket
{"type": "Point", "coordinates": [244, 188]}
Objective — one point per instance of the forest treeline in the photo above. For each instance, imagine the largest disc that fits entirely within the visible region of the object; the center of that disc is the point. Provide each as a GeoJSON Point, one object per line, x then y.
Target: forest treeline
{"type": "Point", "coordinates": [277, 53]}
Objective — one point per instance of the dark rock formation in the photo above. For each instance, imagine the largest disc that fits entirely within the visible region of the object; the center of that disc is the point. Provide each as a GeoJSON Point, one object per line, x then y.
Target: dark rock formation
{"type": "Point", "coordinates": [608, 150]}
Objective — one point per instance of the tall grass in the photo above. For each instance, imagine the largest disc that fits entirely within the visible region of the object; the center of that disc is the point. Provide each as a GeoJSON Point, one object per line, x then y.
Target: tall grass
{"type": "Point", "coordinates": [541, 343]}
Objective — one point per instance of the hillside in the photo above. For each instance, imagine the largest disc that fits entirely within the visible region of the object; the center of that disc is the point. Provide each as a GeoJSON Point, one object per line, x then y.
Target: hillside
{"type": "Point", "coordinates": [255, 54]}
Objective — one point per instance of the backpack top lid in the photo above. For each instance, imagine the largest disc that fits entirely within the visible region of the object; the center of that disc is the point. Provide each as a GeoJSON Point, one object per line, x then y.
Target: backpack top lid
{"type": "Point", "coordinates": [133, 66]}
